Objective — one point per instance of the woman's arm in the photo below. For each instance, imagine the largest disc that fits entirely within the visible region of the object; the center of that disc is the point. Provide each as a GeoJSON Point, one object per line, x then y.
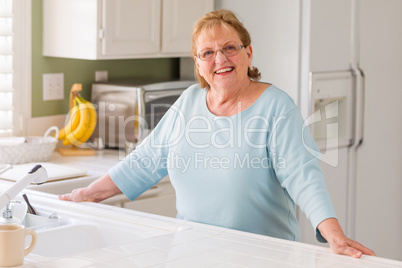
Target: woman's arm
{"type": "Point", "coordinates": [97, 191]}
{"type": "Point", "coordinates": [331, 230]}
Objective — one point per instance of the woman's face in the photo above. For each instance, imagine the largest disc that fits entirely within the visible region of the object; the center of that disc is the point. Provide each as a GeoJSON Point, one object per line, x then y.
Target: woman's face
{"type": "Point", "coordinates": [223, 72]}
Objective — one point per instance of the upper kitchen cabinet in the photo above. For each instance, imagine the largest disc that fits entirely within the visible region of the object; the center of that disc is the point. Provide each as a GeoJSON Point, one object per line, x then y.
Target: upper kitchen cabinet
{"type": "Point", "coordinates": [128, 28]}
{"type": "Point", "coordinates": [120, 29]}
{"type": "Point", "coordinates": [178, 18]}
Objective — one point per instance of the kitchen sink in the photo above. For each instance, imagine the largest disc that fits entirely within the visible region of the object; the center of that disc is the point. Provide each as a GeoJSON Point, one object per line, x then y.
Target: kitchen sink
{"type": "Point", "coordinates": [37, 222]}
{"type": "Point", "coordinates": [67, 228]}
{"type": "Point", "coordinates": [72, 239]}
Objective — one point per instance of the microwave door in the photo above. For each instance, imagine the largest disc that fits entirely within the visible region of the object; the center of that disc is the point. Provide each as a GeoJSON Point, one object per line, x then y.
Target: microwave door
{"type": "Point", "coordinates": [154, 105]}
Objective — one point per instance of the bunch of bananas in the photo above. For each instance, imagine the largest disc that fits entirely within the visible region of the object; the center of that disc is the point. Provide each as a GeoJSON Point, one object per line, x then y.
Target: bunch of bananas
{"type": "Point", "coordinates": [81, 123]}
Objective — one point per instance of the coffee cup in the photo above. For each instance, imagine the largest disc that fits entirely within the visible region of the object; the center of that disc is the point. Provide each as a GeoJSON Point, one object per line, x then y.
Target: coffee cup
{"type": "Point", "coordinates": [12, 244]}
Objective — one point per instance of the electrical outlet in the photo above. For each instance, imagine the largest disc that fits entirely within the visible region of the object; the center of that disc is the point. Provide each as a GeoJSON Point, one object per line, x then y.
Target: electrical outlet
{"type": "Point", "coordinates": [53, 86]}
{"type": "Point", "coordinates": [101, 76]}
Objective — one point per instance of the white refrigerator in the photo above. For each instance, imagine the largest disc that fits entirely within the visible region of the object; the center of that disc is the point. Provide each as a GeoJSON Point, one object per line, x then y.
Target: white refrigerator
{"type": "Point", "coordinates": [345, 58]}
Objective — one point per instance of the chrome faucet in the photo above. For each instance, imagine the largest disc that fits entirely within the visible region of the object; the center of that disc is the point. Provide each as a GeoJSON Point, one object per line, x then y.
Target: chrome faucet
{"type": "Point", "coordinates": [37, 175]}
{"type": "Point", "coordinates": [7, 212]}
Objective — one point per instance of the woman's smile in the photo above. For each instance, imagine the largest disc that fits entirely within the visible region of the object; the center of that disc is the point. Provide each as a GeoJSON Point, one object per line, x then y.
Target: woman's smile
{"type": "Point", "coordinates": [224, 70]}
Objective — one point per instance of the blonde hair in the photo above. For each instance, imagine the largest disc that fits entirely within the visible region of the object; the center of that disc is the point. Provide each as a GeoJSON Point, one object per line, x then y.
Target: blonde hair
{"type": "Point", "coordinates": [209, 22]}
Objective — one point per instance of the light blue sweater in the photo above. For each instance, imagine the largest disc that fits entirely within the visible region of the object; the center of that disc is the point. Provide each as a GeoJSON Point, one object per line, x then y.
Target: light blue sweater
{"type": "Point", "coordinates": [244, 172]}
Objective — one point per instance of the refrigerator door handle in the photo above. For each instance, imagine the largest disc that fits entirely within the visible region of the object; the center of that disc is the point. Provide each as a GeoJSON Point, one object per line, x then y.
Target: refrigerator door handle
{"type": "Point", "coordinates": [359, 112]}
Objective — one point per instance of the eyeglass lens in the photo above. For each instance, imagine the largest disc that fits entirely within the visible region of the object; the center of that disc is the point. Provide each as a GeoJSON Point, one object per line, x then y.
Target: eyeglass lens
{"type": "Point", "coordinates": [228, 50]}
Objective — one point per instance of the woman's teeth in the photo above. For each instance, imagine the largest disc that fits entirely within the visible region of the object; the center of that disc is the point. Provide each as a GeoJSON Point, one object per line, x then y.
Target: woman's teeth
{"type": "Point", "coordinates": [224, 70]}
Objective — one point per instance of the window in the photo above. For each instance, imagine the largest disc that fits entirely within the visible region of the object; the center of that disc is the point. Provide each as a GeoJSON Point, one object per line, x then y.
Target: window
{"type": "Point", "coordinates": [15, 59]}
{"type": "Point", "coordinates": [6, 66]}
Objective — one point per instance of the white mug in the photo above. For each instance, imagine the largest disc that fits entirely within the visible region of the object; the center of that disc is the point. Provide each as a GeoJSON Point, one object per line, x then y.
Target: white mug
{"type": "Point", "coordinates": [12, 244]}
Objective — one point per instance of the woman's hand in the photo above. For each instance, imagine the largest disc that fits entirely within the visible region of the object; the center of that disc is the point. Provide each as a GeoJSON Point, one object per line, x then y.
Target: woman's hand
{"type": "Point", "coordinates": [78, 195]}
{"type": "Point", "coordinates": [97, 191]}
{"type": "Point", "coordinates": [339, 243]}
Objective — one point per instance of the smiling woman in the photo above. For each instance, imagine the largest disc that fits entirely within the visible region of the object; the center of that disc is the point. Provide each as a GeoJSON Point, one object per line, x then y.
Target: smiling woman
{"type": "Point", "coordinates": [245, 149]}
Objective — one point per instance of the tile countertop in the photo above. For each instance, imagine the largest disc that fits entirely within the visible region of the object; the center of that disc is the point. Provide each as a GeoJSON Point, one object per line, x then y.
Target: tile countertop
{"type": "Point", "coordinates": [200, 245]}
{"type": "Point", "coordinates": [190, 244]}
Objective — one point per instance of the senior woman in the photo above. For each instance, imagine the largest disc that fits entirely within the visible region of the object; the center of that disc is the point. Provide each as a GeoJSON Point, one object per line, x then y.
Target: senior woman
{"type": "Point", "coordinates": [234, 149]}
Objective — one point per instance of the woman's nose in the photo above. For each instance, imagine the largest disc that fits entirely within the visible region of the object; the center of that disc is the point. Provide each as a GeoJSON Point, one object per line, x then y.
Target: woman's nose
{"type": "Point", "coordinates": [220, 57]}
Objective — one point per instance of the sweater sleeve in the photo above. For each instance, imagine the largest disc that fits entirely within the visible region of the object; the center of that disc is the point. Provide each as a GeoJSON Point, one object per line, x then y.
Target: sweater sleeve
{"type": "Point", "coordinates": [300, 172]}
{"type": "Point", "coordinates": [147, 164]}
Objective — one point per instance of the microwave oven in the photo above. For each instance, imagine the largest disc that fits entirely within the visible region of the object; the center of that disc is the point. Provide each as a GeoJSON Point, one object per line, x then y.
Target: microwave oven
{"type": "Point", "coordinates": [129, 109]}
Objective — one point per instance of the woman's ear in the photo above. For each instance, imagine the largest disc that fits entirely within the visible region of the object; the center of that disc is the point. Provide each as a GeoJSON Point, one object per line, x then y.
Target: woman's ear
{"type": "Point", "coordinates": [249, 50]}
{"type": "Point", "coordinates": [197, 65]}
{"type": "Point", "coordinates": [195, 61]}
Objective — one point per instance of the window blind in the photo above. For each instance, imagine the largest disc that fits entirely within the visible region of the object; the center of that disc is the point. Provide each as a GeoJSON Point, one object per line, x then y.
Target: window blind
{"type": "Point", "coordinates": [6, 67]}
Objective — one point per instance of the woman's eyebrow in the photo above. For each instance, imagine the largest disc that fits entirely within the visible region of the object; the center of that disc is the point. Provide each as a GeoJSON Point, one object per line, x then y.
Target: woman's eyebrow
{"type": "Point", "coordinates": [224, 44]}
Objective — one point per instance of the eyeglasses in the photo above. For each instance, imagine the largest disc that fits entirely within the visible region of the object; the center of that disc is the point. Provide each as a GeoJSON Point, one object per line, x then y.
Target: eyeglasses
{"type": "Point", "coordinates": [228, 50]}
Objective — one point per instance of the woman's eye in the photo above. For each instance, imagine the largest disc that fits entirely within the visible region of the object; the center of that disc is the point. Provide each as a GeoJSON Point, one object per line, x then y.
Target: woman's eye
{"type": "Point", "coordinates": [230, 48]}
{"type": "Point", "coordinates": [208, 53]}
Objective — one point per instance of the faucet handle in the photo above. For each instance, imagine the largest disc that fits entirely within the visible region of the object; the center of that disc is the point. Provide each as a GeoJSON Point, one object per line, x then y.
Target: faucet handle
{"type": "Point", "coordinates": [14, 212]}
{"type": "Point", "coordinates": [7, 213]}
{"type": "Point", "coordinates": [39, 174]}
{"type": "Point", "coordinates": [35, 168]}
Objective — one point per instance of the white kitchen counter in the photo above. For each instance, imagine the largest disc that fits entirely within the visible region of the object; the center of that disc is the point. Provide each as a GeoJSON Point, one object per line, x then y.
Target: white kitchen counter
{"type": "Point", "coordinates": [185, 244]}
{"type": "Point", "coordinates": [177, 243]}
{"type": "Point", "coordinates": [197, 245]}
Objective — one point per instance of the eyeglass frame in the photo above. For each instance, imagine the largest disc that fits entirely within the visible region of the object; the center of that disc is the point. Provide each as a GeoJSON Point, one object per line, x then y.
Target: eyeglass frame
{"type": "Point", "coordinates": [222, 51]}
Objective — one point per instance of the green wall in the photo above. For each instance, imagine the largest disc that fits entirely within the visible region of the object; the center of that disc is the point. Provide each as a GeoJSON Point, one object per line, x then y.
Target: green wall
{"type": "Point", "coordinates": [83, 71]}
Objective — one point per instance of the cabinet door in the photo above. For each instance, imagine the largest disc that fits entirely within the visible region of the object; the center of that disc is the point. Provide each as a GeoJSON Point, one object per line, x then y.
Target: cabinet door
{"type": "Point", "coordinates": [130, 28]}
{"type": "Point", "coordinates": [69, 29]}
{"type": "Point", "coordinates": [178, 19]}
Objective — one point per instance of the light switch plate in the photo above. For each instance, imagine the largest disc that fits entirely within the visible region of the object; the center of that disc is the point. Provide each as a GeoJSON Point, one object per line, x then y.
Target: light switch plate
{"type": "Point", "coordinates": [101, 76]}
{"type": "Point", "coordinates": [53, 86]}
